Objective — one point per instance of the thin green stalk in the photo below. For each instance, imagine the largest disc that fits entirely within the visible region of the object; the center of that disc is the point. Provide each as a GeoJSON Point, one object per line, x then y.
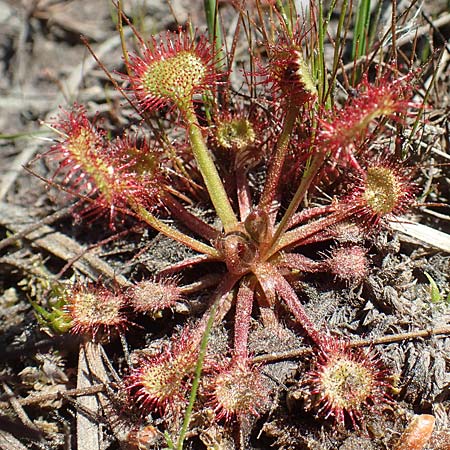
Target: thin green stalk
{"type": "Point", "coordinates": [293, 17]}
{"type": "Point", "coordinates": [122, 37]}
{"type": "Point", "coordinates": [169, 442]}
{"type": "Point", "coordinates": [224, 288]}
{"type": "Point", "coordinates": [424, 101]}
{"type": "Point", "coordinates": [23, 135]}
{"type": "Point", "coordinates": [209, 172]}
{"type": "Point", "coordinates": [176, 235]}
{"type": "Point", "coordinates": [361, 31]}
{"type": "Point", "coordinates": [338, 49]}
{"type": "Point", "coordinates": [308, 177]}
{"type": "Point", "coordinates": [196, 381]}
{"type": "Point", "coordinates": [291, 238]}
{"type": "Point", "coordinates": [284, 16]}
{"type": "Point", "coordinates": [214, 29]}
{"type": "Point", "coordinates": [321, 70]}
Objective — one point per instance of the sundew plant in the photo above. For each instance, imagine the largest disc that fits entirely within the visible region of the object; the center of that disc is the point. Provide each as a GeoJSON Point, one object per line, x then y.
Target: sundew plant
{"type": "Point", "coordinates": [271, 173]}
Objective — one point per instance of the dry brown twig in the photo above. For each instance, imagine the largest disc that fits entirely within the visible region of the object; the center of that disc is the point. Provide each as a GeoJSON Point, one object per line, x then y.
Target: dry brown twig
{"type": "Point", "coordinates": [18, 220]}
{"type": "Point", "coordinates": [295, 354]}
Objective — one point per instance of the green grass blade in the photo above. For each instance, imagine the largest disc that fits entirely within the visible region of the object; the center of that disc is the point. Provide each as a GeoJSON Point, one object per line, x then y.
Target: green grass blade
{"type": "Point", "coordinates": [321, 70]}
{"type": "Point", "coordinates": [284, 16]}
{"type": "Point", "coordinates": [214, 29]}
{"type": "Point", "coordinates": [361, 32]}
{"type": "Point", "coordinates": [22, 135]}
{"type": "Point", "coordinates": [196, 381]}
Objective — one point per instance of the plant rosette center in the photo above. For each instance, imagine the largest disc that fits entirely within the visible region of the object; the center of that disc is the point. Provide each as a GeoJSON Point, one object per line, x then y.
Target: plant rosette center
{"type": "Point", "coordinates": [238, 250]}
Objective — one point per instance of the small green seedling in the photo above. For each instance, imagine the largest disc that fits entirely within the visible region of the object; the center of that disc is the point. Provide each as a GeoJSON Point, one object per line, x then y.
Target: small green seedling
{"type": "Point", "coordinates": [436, 295]}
